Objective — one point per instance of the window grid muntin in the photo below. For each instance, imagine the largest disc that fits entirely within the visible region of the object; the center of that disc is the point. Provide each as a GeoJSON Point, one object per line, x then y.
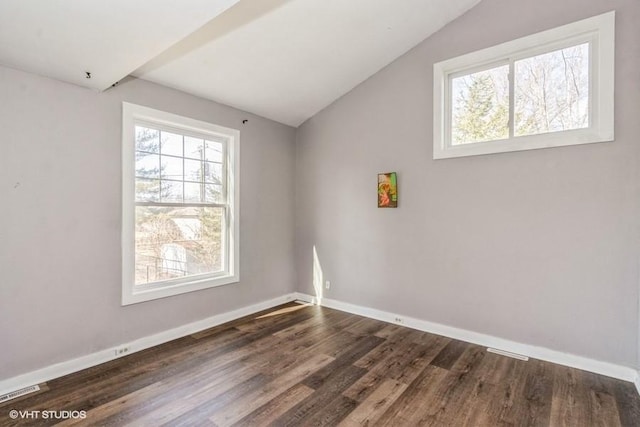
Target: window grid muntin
{"type": "Point", "coordinates": [223, 184]}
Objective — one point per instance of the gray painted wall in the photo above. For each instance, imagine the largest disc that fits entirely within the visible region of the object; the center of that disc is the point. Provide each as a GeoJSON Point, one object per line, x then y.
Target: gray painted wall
{"type": "Point", "coordinates": [539, 247]}
{"type": "Point", "coordinates": [60, 219]}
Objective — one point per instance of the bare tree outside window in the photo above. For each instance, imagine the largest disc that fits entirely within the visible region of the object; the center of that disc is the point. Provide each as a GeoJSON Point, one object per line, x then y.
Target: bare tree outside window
{"type": "Point", "coordinates": [179, 220]}
{"type": "Point", "coordinates": [551, 94]}
{"type": "Point", "coordinates": [552, 91]}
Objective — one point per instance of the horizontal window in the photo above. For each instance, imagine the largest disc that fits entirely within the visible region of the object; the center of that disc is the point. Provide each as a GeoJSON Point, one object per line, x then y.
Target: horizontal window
{"type": "Point", "coordinates": [550, 89]}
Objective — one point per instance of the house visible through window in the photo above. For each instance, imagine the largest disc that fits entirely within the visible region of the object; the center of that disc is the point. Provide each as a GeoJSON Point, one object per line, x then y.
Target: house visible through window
{"type": "Point", "coordinates": [549, 89]}
{"type": "Point", "coordinates": [180, 204]}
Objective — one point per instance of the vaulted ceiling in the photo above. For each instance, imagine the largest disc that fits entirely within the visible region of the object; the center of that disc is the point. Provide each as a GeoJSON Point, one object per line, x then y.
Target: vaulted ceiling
{"type": "Point", "coordinates": [281, 59]}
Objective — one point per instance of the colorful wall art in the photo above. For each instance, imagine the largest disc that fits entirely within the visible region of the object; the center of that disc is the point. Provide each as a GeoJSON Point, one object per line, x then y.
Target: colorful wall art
{"type": "Point", "coordinates": [387, 190]}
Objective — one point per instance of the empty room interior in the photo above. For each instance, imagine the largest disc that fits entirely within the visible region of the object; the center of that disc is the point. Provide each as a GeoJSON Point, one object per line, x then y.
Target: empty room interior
{"type": "Point", "coordinates": [320, 212]}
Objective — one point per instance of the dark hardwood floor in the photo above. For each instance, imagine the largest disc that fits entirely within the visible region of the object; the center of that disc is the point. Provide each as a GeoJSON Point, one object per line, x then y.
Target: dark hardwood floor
{"type": "Point", "coordinates": [308, 365]}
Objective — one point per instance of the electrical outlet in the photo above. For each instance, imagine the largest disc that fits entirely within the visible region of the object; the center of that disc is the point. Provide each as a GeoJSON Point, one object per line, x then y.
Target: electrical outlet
{"type": "Point", "coordinates": [327, 284]}
{"type": "Point", "coordinates": [399, 320]}
{"type": "Point", "coordinates": [121, 351]}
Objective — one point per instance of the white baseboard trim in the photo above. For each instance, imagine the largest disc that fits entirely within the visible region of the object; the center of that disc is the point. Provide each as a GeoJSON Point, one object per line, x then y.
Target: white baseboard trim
{"type": "Point", "coordinates": [64, 368]}
{"type": "Point", "coordinates": [542, 353]}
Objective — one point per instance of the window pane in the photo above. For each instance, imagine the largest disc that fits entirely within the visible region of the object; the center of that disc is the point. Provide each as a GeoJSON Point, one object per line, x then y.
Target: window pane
{"type": "Point", "coordinates": [213, 172]}
{"type": "Point", "coordinates": [171, 144]}
{"type": "Point", "coordinates": [193, 192]}
{"type": "Point", "coordinates": [480, 106]}
{"type": "Point", "coordinates": [147, 139]}
{"type": "Point", "coordinates": [213, 151]}
{"type": "Point", "coordinates": [147, 165]}
{"type": "Point", "coordinates": [552, 91]}
{"type": "Point", "coordinates": [213, 193]}
{"type": "Point", "coordinates": [171, 167]}
{"type": "Point", "coordinates": [193, 147]}
{"type": "Point", "coordinates": [171, 191]}
{"type": "Point", "coordinates": [147, 190]}
{"type": "Point", "coordinates": [177, 242]}
{"type": "Point", "coordinates": [193, 170]}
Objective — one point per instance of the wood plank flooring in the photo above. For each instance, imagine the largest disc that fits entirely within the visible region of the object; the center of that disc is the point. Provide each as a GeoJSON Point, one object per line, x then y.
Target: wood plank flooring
{"type": "Point", "coordinates": [308, 365]}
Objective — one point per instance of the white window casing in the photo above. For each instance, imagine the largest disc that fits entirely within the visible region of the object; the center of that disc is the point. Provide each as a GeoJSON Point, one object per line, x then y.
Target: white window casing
{"type": "Point", "coordinates": [597, 31]}
{"type": "Point", "coordinates": [136, 115]}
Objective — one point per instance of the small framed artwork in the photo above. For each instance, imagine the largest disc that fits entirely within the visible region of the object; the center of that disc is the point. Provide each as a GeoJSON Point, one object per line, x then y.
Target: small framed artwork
{"type": "Point", "coordinates": [387, 190]}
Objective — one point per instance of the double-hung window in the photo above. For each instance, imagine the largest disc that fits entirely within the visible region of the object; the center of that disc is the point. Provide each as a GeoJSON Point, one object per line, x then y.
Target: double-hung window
{"type": "Point", "coordinates": [180, 204]}
{"type": "Point", "coordinates": [549, 89]}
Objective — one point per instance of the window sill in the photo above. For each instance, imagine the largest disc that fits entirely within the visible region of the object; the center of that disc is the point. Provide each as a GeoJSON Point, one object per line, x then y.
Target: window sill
{"type": "Point", "coordinates": [135, 294]}
{"type": "Point", "coordinates": [531, 142]}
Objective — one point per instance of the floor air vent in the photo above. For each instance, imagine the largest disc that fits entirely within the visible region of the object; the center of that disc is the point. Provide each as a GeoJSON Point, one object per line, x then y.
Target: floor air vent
{"type": "Point", "coordinates": [18, 393]}
{"type": "Point", "coordinates": [508, 354]}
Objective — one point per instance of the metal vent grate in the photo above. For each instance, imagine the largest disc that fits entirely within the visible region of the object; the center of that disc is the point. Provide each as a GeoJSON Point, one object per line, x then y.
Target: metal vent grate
{"type": "Point", "coordinates": [508, 354]}
{"type": "Point", "coordinates": [18, 393]}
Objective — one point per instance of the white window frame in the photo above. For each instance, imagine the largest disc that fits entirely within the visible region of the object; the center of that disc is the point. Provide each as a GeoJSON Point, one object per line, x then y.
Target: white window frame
{"type": "Point", "coordinates": [133, 114]}
{"type": "Point", "coordinates": [599, 31]}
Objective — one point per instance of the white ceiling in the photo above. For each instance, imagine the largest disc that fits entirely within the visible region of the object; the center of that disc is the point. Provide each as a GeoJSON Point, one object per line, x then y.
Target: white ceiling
{"type": "Point", "coordinates": [281, 59]}
{"type": "Point", "coordinates": [63, 39]}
